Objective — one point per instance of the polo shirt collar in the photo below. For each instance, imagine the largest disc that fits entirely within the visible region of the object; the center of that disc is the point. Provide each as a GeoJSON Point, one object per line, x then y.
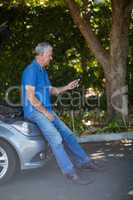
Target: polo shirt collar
{"type": "Point", "coordinates": [38, 65]}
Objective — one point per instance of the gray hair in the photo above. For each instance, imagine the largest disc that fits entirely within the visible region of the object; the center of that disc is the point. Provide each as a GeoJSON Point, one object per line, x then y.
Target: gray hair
{"type": "Point", "coordinates": [43, 47]}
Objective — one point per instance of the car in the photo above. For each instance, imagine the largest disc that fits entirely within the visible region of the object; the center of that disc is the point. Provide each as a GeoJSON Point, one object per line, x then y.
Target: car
{"type": "Point", "coordinates": [21, 147]}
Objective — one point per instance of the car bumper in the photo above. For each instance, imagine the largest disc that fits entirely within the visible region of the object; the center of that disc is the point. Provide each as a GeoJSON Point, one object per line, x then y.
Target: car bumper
{"type": "Point", "coordinates": [33, 155]}
{"type": "Point", "coordinates": [30, 150]}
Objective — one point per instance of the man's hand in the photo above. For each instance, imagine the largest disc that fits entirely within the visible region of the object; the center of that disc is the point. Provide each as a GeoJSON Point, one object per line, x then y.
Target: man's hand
{"type": "Point", "coordinates": [36, 103]}
{"type": "Point", "coordinates": [73, 84]}
{"type": "Point", "coordinates": [60, 90]}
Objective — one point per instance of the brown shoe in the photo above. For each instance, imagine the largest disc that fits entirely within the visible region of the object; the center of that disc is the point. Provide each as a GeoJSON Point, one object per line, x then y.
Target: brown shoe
{"type": "Point", "coordinates": [78, 180]}
{"type": "Point", "coordinates": [92, 166]}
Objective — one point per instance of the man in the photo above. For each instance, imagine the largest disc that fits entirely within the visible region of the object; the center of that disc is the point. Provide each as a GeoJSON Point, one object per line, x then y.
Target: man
{"type": "Point", "coordinates": [36, 99]}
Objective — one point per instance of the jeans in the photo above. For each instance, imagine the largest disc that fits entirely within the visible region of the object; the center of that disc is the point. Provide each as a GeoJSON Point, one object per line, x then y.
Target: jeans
{"type": "Point", "coordinates": [57, 133]}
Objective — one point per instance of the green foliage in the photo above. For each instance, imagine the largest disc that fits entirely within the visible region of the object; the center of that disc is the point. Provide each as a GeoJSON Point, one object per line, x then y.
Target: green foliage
{"type": "Point", "coordinates": [94, 122]}
{"type": "Point", "coordinates": [30, 25]}
{"type": "Point", "coordinates": [31, 22]}
{"type": "Point", "coordinates": [114, 126]}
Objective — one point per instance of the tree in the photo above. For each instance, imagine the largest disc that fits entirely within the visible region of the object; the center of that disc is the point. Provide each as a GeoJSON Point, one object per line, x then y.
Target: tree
{"type": "Point", "coordinates": [114, 60]}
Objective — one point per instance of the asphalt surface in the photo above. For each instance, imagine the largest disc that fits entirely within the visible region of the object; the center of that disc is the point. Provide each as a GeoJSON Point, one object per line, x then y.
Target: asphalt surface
{"type": "Point", "coordinates": [113, 182]}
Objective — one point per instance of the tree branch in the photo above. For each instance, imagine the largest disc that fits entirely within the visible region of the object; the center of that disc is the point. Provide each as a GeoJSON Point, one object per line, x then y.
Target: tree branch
{"type": "Point", "coordinates": [85, 28]}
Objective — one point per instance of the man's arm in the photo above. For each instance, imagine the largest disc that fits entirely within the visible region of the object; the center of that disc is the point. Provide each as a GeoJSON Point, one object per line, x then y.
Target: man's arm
{"type": "Point", "coordinates": [60, 90]}
{"type": "Point", "coordinates": [30, 91]}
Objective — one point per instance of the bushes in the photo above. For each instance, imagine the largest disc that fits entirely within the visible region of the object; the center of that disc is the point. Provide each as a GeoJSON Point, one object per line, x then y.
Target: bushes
{"type": "Point", "coordinates": [93, 122]}
{"type": "Point", "coordinates": [30, 25]}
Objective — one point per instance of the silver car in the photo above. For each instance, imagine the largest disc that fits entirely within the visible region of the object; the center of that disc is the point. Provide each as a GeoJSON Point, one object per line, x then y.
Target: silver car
{"type": "Point", "coordinates": [21, 146]}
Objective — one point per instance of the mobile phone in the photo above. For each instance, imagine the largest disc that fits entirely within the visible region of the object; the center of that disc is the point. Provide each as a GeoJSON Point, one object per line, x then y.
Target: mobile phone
{"type": "Point", "coordinates": [78, 80]}
{"type": "Point", "coordinates": [79, 77]}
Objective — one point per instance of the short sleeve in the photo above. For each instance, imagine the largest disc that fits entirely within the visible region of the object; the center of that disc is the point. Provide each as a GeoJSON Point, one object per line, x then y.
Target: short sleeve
{"type": "Point", "coordinates": [29, 76]}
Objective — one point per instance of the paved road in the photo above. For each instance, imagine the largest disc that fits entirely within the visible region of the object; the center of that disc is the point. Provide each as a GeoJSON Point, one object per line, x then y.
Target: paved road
{"type": "Point", "coordinates": [114, 183]}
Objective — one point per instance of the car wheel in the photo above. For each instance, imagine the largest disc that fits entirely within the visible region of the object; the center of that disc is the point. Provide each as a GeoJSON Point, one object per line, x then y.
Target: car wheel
{"type": "Point", "coordinates": [8, 162]}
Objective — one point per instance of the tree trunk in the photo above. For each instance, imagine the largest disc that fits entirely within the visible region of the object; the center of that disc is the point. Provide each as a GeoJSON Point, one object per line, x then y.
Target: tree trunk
{"type": "Point", "coordinates": [114, 63]}
{"type": "Point", "coordinates": [85, 28]}
{"type": "Point", "coordinates": [116, 87]}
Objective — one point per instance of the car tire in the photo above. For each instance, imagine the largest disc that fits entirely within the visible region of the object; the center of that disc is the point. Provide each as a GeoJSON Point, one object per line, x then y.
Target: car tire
{"type": "Point", "coordinates": [8, 162]}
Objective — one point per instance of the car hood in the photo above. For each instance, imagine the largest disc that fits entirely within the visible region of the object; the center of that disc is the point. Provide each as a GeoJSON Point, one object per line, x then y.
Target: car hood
{"type": "Point", "coordinates": [27, 128]}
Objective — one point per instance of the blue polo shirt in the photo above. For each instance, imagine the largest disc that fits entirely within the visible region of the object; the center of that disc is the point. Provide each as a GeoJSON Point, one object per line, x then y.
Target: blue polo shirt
{"type": "Point", "coordinates": [36, 76]}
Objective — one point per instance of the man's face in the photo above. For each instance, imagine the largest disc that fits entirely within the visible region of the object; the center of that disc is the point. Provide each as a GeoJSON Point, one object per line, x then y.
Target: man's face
{"type": "Point", "coordinates": [47, 57]}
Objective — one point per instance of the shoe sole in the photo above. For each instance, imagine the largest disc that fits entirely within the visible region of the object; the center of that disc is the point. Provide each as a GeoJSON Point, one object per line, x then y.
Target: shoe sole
{"type": "Point", "coordinates": [81, 182]}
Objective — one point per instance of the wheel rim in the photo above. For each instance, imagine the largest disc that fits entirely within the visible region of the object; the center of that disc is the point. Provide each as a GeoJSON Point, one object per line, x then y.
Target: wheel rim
{"type": "Point", "coordinates": [3, 162]}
